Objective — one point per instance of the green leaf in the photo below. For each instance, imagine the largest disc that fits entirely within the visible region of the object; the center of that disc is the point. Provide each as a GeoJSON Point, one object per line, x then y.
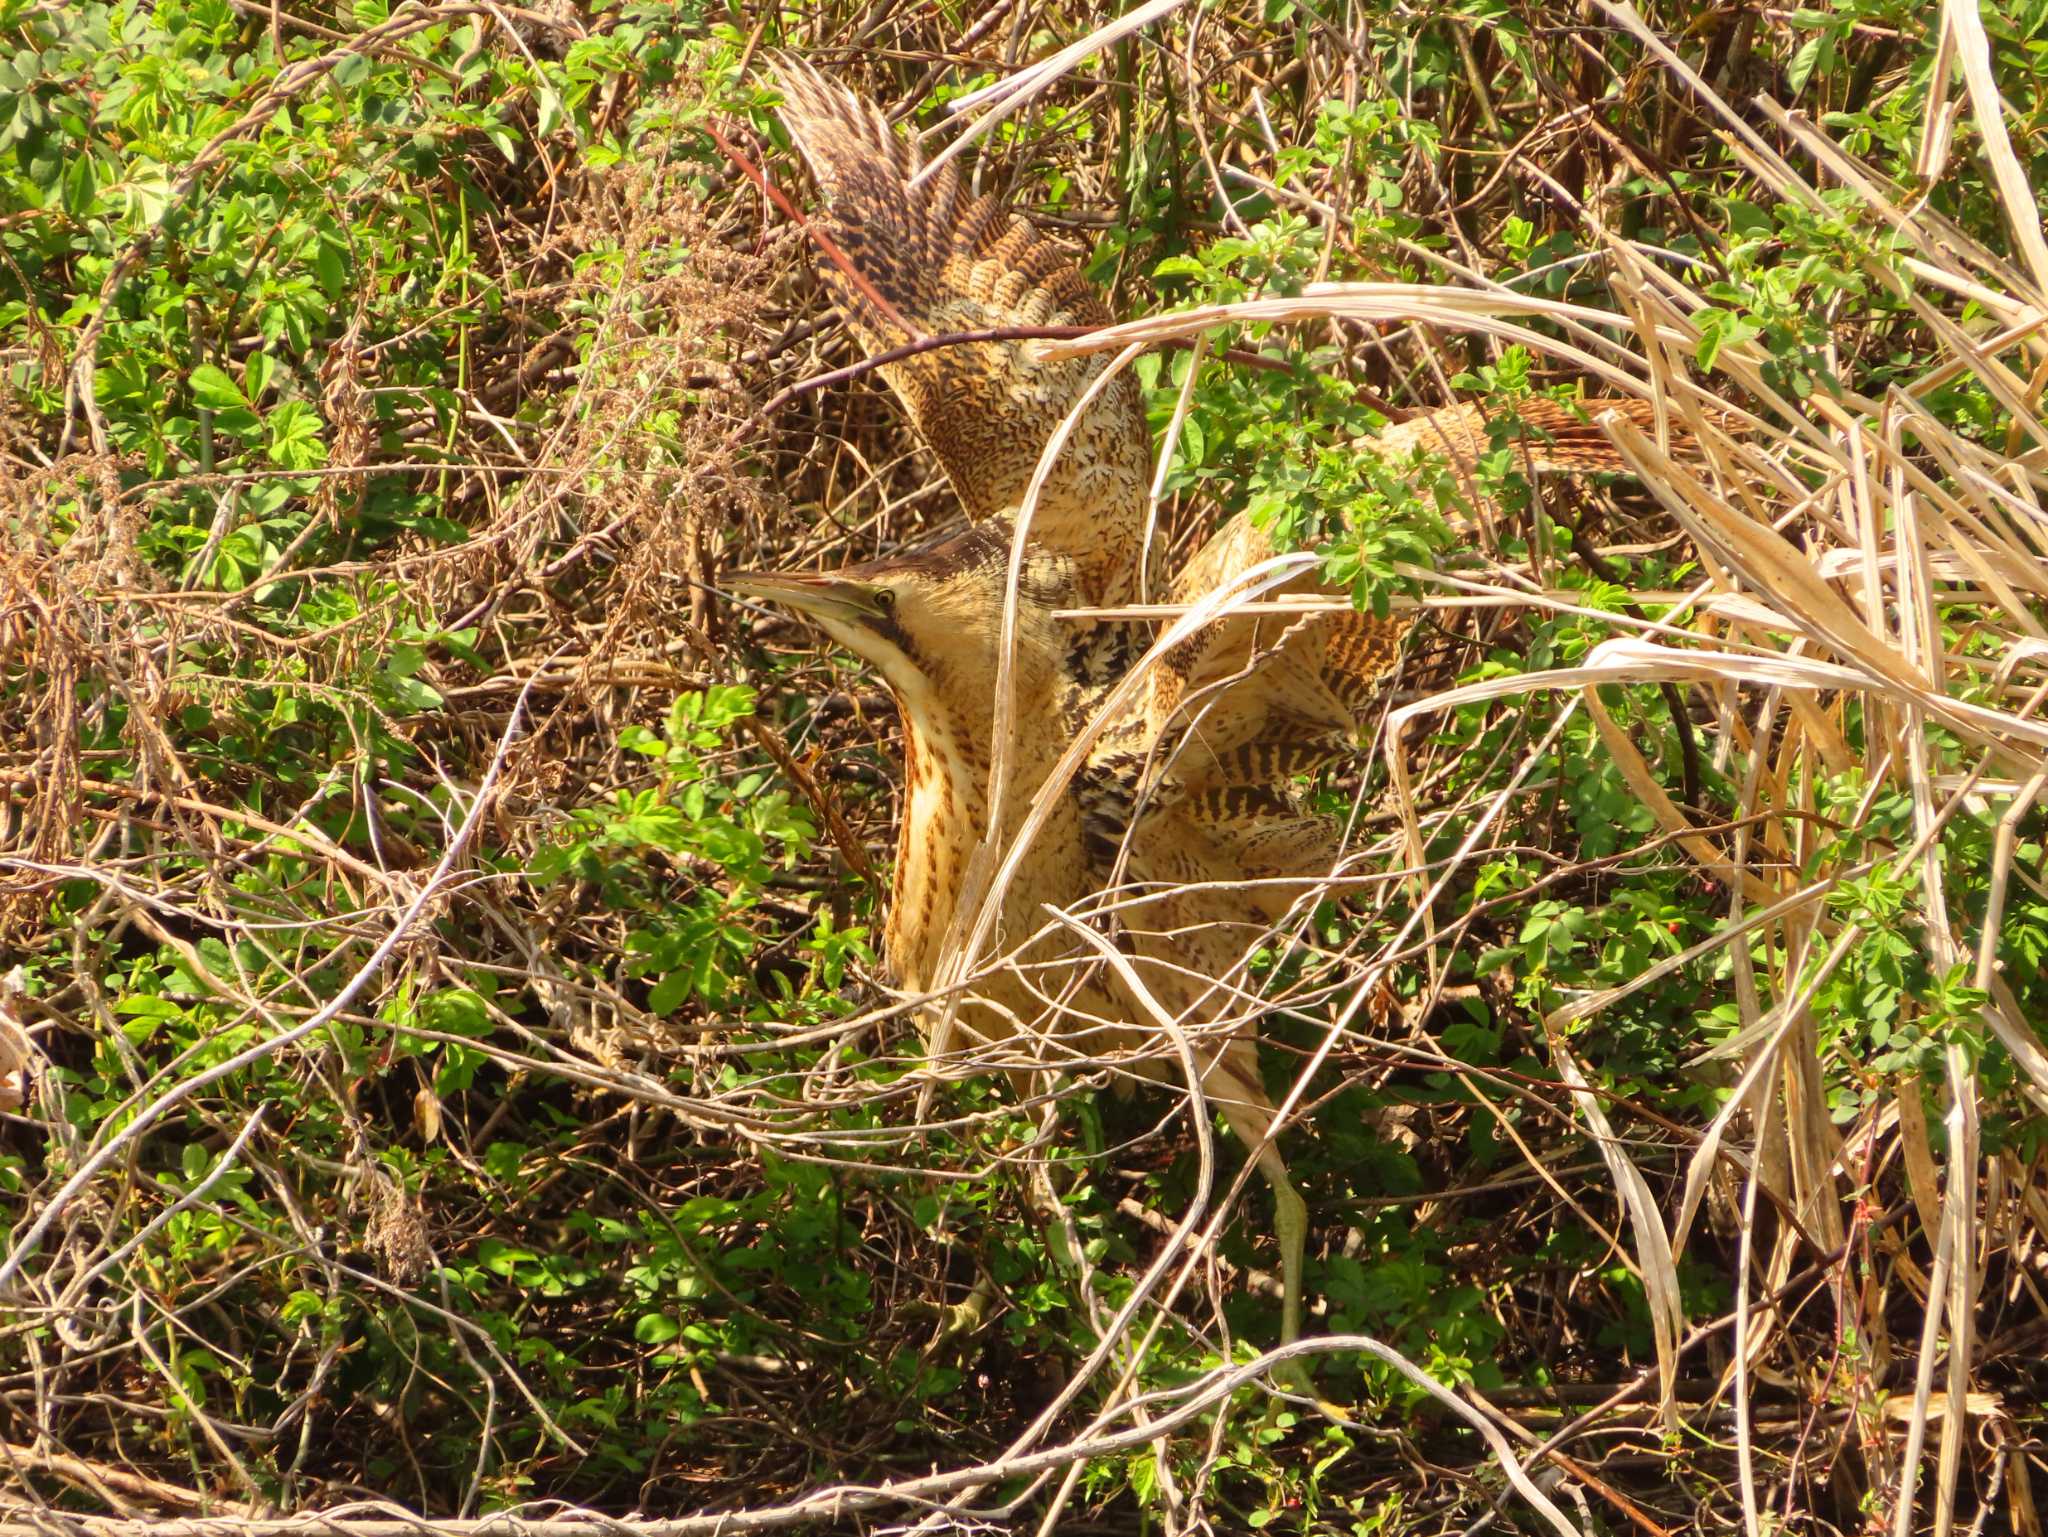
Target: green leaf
{"type": "Point", "coordinates": [503, 1259]}
{"type": "Point", "coordinates": [670, 993]}
{"type": "Point", "coordinates": [455, 1011]}
{"type": "Point", "coordinates": [656, 1329]}
{"type": "Point", "coordinates": [439, 529]}
{"type": "Point", "coordinates": [330, 266]}
{"type": "Point", "coordinates": [1810, 53]}
{"type": "Point", "coordinates": [639, 739]}
{"type": "Point", "coordinates": [295, 440]}
{"type": "Point", "coordinates": [215, 389]}
{"type": "Point", "coordinates": [257, 374]}
{"type": "Point", "coordinates": [81, 186]}
{"type": "Point", "coordinates": [501, 1160]}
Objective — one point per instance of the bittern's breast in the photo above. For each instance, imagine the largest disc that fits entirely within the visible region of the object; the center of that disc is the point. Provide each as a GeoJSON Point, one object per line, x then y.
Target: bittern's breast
{"type": "Point", "coordinates": [943, 816]}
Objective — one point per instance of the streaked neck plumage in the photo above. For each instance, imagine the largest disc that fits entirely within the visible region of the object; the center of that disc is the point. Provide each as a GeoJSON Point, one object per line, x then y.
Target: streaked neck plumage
{"type": "Point", "coordinates": [948, 735]}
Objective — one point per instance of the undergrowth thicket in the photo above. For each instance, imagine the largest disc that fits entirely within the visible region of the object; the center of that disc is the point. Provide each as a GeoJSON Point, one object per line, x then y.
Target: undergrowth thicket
{"type": "Point", "coordinates": [384, 389]}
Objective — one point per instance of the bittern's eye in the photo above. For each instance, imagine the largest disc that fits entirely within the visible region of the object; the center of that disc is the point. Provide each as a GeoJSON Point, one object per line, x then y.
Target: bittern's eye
{"type": "Point", "coordinates": [885, 600]}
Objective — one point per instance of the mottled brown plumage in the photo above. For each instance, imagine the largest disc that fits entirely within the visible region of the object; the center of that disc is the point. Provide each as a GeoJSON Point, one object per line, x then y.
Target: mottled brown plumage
{"type": "Point", "coordinates": [1189, 797]}
{"type": "Point", "coordinates": [947, 262]}
{"type": "Point", "coordinates": [930, 624]}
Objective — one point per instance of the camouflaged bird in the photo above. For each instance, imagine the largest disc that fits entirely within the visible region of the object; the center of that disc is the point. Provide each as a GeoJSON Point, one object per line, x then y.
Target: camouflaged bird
{"type": "Point", "coordinates": [943, 263]}
{"type": "Point", "coordinates": [1187, 800]}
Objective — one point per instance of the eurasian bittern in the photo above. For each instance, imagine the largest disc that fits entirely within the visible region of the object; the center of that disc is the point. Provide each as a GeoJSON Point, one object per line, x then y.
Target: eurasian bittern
{"type": "Point", "coordinates": [932, 258]}
{"type": "Point", "coordinates": [1188, 801]}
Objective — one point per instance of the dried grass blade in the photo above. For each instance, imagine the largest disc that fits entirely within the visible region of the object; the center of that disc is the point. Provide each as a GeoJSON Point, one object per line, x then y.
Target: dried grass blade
{"type": "Point", "coordinates": [1965, 25]}
{"type": "Point", "coordinates": [1653, 1243]}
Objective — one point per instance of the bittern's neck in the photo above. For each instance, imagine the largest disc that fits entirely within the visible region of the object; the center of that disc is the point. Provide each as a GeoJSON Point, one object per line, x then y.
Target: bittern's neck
{"type": "Point", "coordinates": [947, 752]}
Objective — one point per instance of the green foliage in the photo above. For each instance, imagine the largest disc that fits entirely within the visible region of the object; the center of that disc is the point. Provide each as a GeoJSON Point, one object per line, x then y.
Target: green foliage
{"type": "Point", "coordinates": [697, 947]}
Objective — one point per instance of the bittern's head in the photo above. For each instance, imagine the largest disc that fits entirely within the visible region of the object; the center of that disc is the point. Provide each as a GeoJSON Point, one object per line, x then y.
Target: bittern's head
{"type": "Point", "coordinates": [931, 623]}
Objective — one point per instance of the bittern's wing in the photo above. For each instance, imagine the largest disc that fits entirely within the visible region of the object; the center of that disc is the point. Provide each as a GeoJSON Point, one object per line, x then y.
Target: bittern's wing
{"type": "Point", "coordinates": [1206, 867]}
{"type": "Point", "coordinates": [947, 263]}
{"type": "Point", "coordinates": [1565, 437]}
{"type": "Point", "coordinates": [1204, 894]}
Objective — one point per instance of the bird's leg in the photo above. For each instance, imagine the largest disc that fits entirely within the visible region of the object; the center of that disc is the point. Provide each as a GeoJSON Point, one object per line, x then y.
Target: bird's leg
{"type": "Point", "coordinates": [1251, 1114]}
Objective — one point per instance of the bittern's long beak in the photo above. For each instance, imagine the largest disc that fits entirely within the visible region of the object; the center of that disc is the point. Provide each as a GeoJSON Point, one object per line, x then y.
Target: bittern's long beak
{"type": "Point", "coordinates": [821, 597]}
